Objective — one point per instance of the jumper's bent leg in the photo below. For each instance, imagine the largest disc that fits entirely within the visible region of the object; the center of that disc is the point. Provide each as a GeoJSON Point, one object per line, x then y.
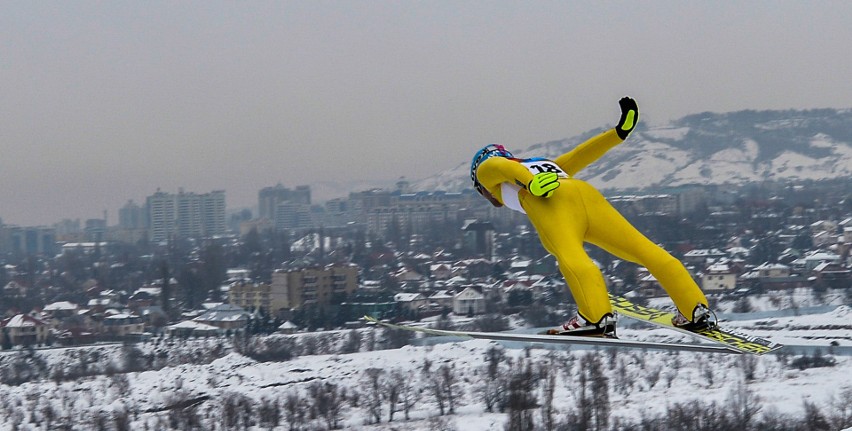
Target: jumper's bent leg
{"type": "Point", "coordinates": [612, 232]}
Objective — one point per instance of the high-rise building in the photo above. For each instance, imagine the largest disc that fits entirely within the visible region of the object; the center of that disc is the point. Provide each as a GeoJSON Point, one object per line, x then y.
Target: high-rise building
{"type": "Point", "coordinates": [269, 198]}
{"type": "Point", "coordinates": [291, 215]}
{"type": "Point", "coordinates": [186, 215]}
{"type": "Point", "coordinates": [131, 216]}
{"type": "Point", "coordinates": [28, 240]}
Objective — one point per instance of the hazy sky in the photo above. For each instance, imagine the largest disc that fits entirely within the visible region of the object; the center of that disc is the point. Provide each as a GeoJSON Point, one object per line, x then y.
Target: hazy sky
{"type": "Point", "coordinates": [101, 102]}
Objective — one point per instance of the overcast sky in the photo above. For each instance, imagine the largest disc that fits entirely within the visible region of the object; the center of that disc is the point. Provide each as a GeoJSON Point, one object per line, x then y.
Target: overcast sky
{"type": "Point", "coordinates": [101, 102]}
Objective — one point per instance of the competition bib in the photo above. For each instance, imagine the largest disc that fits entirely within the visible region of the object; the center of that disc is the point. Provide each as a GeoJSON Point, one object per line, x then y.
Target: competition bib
{"type": "Point", "coordinates": [538, 165]}
{"type": "Point", "coordinates": [535, 165]}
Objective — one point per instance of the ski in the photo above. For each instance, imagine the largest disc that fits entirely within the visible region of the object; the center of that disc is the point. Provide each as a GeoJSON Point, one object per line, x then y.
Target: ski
{"type": "Point", "coordinates": [559, 339]}
{"type": "Point", "coordinates": [738, 341]}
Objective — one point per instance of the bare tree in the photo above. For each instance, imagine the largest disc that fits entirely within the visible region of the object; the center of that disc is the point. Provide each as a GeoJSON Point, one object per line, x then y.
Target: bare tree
{"type": "Point", "coordinates": [436, 388]}
{"type": "Point", "coordinates": [237, 411]}
{"type": "Point", "coordinates": [409, 396]}
{"type": "Point", "coordinates": [600, 390]}
{"type": "Point", "coordinates": [494, 356]}
{"type": "Point", "coordinates": [352, 343]}
{"type": "Point", "coordinates": [294, 407]}
{"type": "Point", "coordinates": [652, 376]}
{"type": "Point", "coordinates": [492, 392]}
{"type": "Point", "coordinates": [396, 338]}
{"type": "Point", "coordinates": [547, 376]}
{"type": "Point", "coordinates": [370, 342]}
{"type": "Point", "coordinates": [622, 379]}
{"type": "Point", "coordinates": [393, 386]}
{"type": "Point", "coordinates": [743, 406]}
{"type": "Point", "coordinates": [452, 389]}
{"type": "Point", "coordinates": [814, 419]}
{"type": "Point", "coordinates": [329, 400]}
{"type": "Point", "coordinates": [749, 365]}
{"type": "Point", "coordinates": [373, 394]}
{"type": "Point", "coordinates": [521, 398]}
{"type": "Point", "coordinates": [584, 401]}
{"type": "Point", "coordinates": [841, 408]}
{"type": "Point", "coordinates": [269, 413]}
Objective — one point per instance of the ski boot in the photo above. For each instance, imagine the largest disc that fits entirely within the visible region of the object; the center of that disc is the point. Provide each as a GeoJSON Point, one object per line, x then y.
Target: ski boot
{"type": "Point", "coordinates": [578, 326]}
{"type": "Point", "coordinates": [702, 317]}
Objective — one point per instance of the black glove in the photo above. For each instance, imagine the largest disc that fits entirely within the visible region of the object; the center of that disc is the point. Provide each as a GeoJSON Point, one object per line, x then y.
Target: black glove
{"type": "Point", "coordinates": [629, 117]}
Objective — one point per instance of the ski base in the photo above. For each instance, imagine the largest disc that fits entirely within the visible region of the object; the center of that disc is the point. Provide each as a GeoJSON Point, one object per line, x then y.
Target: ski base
{"type": "Point", "coordinates": [560, 339]}
{"type": "Point", "coordinates": [735, 340]}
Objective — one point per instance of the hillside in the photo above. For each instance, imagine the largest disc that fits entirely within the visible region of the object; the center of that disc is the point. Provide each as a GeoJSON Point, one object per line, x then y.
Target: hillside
{"type": "Point", "coordinates": [707, 148]}
{"type": "Point", "coordinates": [316, 391]}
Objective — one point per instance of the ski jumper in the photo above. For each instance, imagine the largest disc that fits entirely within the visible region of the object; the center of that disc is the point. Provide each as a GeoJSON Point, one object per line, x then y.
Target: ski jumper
{"type": "Point", "coordinates": [575, 213]}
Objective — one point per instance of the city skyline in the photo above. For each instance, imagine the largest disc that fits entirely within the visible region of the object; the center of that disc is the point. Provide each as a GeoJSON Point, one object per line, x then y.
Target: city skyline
{"type": "Point", "coordinates": [104, 102]}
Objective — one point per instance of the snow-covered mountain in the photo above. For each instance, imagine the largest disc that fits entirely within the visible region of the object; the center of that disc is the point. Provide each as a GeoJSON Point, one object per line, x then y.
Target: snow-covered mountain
{"type": "Point", "coordinates": [707, 148]}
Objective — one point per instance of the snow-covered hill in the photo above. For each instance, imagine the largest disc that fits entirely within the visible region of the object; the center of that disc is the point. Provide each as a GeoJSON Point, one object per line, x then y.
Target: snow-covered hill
{"type": "Point", "coordinates": [236, 392]}
{"type": "Point", "coordinates": [707, 148]}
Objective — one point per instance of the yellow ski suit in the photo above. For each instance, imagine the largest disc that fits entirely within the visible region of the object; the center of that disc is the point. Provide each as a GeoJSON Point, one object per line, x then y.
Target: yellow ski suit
{"type": "Point", "coordinates": [575, 213]}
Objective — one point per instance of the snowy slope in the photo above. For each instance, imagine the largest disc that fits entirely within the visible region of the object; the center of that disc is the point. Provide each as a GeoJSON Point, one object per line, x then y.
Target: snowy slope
{"type": "Point", "coordinates": [641, 384]}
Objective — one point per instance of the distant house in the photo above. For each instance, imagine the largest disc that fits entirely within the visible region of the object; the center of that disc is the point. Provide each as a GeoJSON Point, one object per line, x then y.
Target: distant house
{"type": "Point", "coordinates": [442, 299]}
{"type": "Point", "coordinates": [469, 302]}
{"type": "Point", "coordinates": [772, 276]}
{"type": "Point", "coordinates": [703, 256]}
{"type": "Point", "coordinates": [719, 277]}
{"type": "Point", "coordinates": [520, 265]}
{"type": "Point", "coordinates": [408, 274]}
{"type": "Point", "coordinates": [441, 271]}
{"type": "Point", "coordinates": [477, 268]}
{"type": "Point", "coordinates": [224, 316]}
{"type": "Point", "coordinates": [410, 301]}
{"type": "Point", "coordinates": [14, 288]}
{"type": "Point", "coordinates": [24, 329]}
{"type": "Point", "coordinates": [61, 309]}
{"type": "Point", "coordinates": [288, 327]}
{"type": "Point", "coordinates": [772, 270]}
{"type": "Point", "coordinates": [811, 260]}
{"type": "Point", "coordinates": [648, 284]}
{"type": "Point", "coordinates": [189, 328]}
{"type": "Point", "coordinates": [833, 275]}
{"type": "Point", "coordinates": [123, 324]}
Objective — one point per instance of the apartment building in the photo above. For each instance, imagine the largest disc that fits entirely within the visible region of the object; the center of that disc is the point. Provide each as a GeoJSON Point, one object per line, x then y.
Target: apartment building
{"type": "Point", "coordinates": [314, 285]}
{"type": "Point", "coordinates": [186, 214]}
{"type": "Point", "coordinates": [268, 199]}
{"type": "Point", "coordinates": [258, 296]}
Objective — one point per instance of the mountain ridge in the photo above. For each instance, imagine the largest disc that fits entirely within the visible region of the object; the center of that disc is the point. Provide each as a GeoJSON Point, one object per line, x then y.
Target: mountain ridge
{"type": "Point", "coordinates": [706, 148]}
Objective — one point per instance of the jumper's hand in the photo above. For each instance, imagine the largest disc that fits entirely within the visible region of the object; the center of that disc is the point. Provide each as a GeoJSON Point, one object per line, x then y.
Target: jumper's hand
{"type": "Point", "coordinates": [629, 117]}
{"type": "Point", "coordinates": [543, 183]}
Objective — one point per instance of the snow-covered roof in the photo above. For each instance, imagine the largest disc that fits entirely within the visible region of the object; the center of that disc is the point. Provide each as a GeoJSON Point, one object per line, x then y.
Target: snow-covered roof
{"type": "Point", "coordinates": [195, 326]}
{"type": "Point", "coordinates": [223, 313]}
{"type": "Point", "coordinates": [701, 252]}
{"type": "Point", "coordinates": [441, 294]}
{"type": "Point", "coordinates": [121, 316]}
{"type": "Point", "coordinates": [407, 297]}
{"type": "Point", "coordinates": [21, 321]}
{"type": "Point", "coordinates": [767, 265]}
{"type": "Point", "coordinates": [469, 293]}
{"type": "Point", "coordinates": [61, 305]}
{"type": "Point", "coordinates": [288, 325]}
{"type": "Point", "coordinates": [457, 280]}
{"type": "Point", "coordinates": [719, 268]}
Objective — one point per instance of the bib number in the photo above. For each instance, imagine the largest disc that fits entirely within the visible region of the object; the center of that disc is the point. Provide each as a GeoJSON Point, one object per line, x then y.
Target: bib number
{"type": "Point", "coordinates": [543, 165]}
